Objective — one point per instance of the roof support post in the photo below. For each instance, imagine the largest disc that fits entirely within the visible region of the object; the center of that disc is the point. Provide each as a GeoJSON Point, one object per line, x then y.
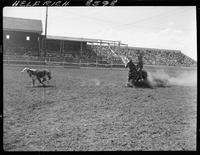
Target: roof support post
{"type": "Point", "coordinates": [81, 52]}
{"type": "Point", "coordinates": [46, 31]}
{"type": "Point", "coordinates": [63, 47]}
{"type": "Point", "coordinates": [119, 47]}
{"type": "Point", "coordinates": [38, 45]}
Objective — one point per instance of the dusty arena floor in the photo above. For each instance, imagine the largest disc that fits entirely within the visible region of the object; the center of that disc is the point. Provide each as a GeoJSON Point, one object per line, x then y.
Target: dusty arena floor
{"type": "Point", "coordinates": [92, 110]}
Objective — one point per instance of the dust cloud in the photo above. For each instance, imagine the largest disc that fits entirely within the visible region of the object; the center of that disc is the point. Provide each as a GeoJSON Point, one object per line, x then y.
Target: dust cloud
{"type": "Point", "coordinates": [161, 78]}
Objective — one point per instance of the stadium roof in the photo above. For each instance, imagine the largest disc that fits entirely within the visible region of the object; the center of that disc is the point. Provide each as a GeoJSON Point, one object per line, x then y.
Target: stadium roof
{"type": "Point", "coordinates": [72, 38]}
{"type": "Point", "coordinates": [81, 39]}
{"type": "Point", "coordinates": [156, 49]}
{"type": "Point", "coordinates": [21, 24]}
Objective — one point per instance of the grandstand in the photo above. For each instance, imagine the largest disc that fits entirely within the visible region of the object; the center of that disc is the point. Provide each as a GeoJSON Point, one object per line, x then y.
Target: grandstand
{"type": "Point", "coordinates": [160, 56]}
{"type": "Point", "coordinates": [22, 41]}
{"type": "Point", "coordinates": [82, 49]}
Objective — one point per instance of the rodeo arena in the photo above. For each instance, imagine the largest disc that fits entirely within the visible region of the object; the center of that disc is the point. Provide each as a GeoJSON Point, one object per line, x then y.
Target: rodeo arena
{"type": "Point", "coordinates": [65, 93]}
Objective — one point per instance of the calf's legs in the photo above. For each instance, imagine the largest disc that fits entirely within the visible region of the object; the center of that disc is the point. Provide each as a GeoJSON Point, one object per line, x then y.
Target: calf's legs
{"type": "Point", "coordinates": [33, 82]}
{"type": "Point", "coordinates": [41, 81]}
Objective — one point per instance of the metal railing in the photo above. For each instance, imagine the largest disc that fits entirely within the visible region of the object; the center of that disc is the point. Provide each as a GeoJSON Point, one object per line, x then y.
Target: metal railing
{"type": "Point", "coordinates": [34, 60]}
{"type": "Point", "coordinates": [63, 61]}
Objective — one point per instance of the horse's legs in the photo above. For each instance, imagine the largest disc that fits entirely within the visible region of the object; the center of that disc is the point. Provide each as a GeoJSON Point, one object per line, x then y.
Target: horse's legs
{"type": "Point", "coordinates": [130, 83]}
{"type": "Point", "coordinates": [142, 75]}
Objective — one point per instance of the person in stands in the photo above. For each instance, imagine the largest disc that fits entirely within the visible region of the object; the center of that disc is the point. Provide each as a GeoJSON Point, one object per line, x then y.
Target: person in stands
{"type": "Point", "coordinates": [140, 67]}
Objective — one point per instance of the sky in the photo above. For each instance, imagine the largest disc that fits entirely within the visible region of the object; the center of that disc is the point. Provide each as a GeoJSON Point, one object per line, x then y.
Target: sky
{"type": "Point", "coordinates": [164, 27]}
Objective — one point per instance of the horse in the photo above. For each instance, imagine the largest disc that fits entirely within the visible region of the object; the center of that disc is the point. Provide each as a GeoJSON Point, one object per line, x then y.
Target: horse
{"type": "Point", "coordinates": [136, 75]}
{"type": "Point", "coordinates": [40, 75]}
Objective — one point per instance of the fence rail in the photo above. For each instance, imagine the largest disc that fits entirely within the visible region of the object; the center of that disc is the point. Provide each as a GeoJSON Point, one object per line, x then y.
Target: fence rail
{"type": "Point", "coordinates": [59, 61]}
{"type": "Point", "coordinates": [53, 62]}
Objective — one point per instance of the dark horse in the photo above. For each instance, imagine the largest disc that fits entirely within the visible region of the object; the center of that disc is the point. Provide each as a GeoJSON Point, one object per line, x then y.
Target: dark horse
{"type": "Point", "coordinates": [135, 75]}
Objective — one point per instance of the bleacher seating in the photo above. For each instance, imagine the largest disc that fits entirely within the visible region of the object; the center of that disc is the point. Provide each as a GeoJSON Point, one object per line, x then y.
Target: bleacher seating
{"type": "Point", "coordinates": [103, 54]}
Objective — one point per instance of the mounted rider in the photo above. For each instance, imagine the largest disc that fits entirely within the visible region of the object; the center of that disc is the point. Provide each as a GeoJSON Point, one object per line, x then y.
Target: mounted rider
{"type": "Point", "coordinates": [136, 72]}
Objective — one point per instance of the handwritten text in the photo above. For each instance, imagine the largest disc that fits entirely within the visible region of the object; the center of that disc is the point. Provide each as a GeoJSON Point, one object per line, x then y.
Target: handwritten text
{"type": "Point", "coordinates": [38, 3]}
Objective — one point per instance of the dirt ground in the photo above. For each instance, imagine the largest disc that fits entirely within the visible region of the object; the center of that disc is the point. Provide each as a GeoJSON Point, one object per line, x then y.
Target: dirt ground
{"type": "Point", "coordinates": [92, 110]}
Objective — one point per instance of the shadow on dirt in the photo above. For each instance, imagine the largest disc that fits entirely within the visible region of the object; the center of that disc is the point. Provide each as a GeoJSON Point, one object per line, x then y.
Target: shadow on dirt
{"type": "Point", "coordinates": [44, 86]}
{"type": "Point", "coordinates": [41, 86]}
{"type": "Point", "coordinates": [144, 84]}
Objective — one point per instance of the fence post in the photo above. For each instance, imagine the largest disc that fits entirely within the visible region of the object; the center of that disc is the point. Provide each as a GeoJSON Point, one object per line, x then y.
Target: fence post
{"type": "Point", "coordinates": [63, 62]}
{"type": "Point", "coordinates": [8, 60]}
{"type": "Point", "coordinates": [80, 62]}
{"type": "Point", "coordinates": [45, 61]}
